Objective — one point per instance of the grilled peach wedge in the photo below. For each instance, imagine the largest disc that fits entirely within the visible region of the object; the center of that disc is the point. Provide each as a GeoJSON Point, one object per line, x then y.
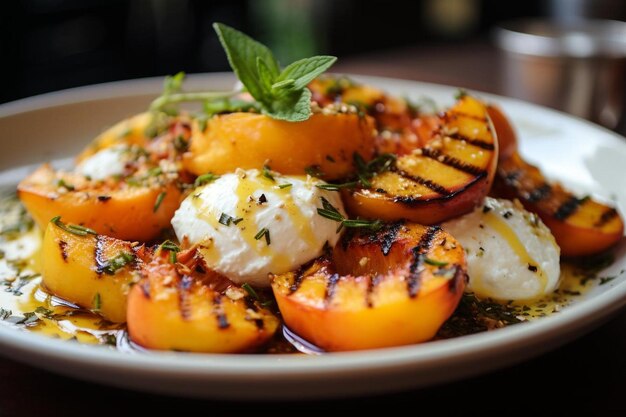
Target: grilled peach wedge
{"type": "Point", "coordinates": [581, 226]}
{"type": "Point", "coordinates": [90, 270]}
{"type": "Point", "coordinates": [136, 208]}
{"type": "Point", "coordinates": [447, 177]}
{"type": "Point", "coordinates": [394, 287]}
{"type": "Point", "coordinates": [324, 143]}
{"type": "Point", "coordinates": [184, 306]}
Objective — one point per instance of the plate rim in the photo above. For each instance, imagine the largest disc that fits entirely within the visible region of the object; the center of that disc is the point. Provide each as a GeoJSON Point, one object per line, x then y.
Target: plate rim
{"type": "Point", "coordinates": [281, 367]}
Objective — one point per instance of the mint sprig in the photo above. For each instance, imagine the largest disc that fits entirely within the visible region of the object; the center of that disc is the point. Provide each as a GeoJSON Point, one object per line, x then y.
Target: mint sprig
{"type": "Point", "coordinates": [283, 95]}
{"type": "Point", "coordinates": [280, 94]}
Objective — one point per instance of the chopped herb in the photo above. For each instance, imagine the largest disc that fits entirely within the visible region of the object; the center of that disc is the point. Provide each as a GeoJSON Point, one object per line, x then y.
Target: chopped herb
{"type": "Point", "coordinates": [226, 220]}
{"type": "Point", "coordinates": [47, 313]}
{"type": "Point", "coordinates": [61, 183]}
{"type": "Point", "coordinates": [285, 185]}
{"type": "Point", "coordinates": [181, 144]}
{"type": "Point", "coordinates": [73, 228]}
{"type": "Point", "coordinates": [118, 262]}
{"type": "Point", "coordinates": [250, 290]}
{"type": "Point", "coordinates": [434, 262]}
{"type": "Point", "coordinates": [134, 182]}
{"type": "Point", "coordinates": [29, 319]}
{"type": "Point", "coordinates": [159, 200]}
{"type": "Point", "coordinates": [109, 339]}
{"type": "Point", "coordinates": [202, 121]}
{"type": "Point", "coordinates": [267, 173]}
{"type": "Point", "coordinates": [474, 315]}
{"type": "Point", "coordinates": [267, 303]}
{"type": "Point", "coordinates": [173, 257]}
{"type": "Point", "coordinates": [604, 280]}
{"type": "Point", "coordinates": [369, 224]}
{"type": "Point", "coordinates": [154, 172]}
{"type": "Point", "coordinates": [330, 212]}
{"type": "Point", "coordinates": [170, 246]}
{"type": "Point", "coordinates": [15, 286]}
{"type": "Point", "coordinates": [337, 187]}
{"type": "Point", "coordinates": [367, 170]}
{"type": "Point", "coordinates": [314, 171]}
{"type": "Point", "coordinates": [5, 314]}
{"type": "Point", "coordinates": [461, 93]}
{"type": "Point", "coordinates": [205, 179]}
{"type": "Point", "coordinates": [263, 232]}
{"type": "Point", "coordinates": [97, 302]}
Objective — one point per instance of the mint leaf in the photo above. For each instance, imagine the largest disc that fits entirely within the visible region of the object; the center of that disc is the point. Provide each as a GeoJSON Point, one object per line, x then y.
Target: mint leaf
{"type": "Point", "coordinates": [283, 85]}
{"type": "Point", "coordinates": [242, 52]}
{"type": "Point", "coordinates": [306, 70]}
{"type": "Point", "coordinates": [295, 107]}
{"type": "Point", "coordinates": [265, 77]}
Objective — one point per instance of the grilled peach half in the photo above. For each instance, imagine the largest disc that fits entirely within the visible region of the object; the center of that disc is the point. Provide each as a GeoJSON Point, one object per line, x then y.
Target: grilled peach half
{"type": "Point", "coordinates": [325, 143]}
{"type": "Point", "coordinates": [581, 226]}
{"type": "Point", "coordinates": [112, 207]}
{"type": "Point", "coordinates": [447, 177]}
{"type": "Point", "coordinates": [92, 271]}
{"type": "Point", "coordinates": [397, 122]}
{"type": "Point", "coordinates": [176, 307]}
{"type": "Point", "coordinates": [391, 288]}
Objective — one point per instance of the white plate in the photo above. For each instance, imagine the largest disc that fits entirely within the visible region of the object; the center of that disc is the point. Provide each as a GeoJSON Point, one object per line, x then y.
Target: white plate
{"type": "Point", "coordinates": [579, 153]}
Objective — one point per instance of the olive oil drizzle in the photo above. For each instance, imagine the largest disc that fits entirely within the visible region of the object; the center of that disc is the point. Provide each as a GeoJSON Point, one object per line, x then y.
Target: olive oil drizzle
{"type": "Point", "coordinates": [26, 305]}
{"type": "Point", "coordinates": [494, 221]}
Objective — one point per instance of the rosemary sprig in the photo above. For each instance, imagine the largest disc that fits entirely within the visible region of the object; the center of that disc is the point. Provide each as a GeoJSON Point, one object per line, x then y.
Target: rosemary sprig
{"type": "Point", "coordinates": [73, 228]}
{"type": "Point", "coordinates": [330, 212]}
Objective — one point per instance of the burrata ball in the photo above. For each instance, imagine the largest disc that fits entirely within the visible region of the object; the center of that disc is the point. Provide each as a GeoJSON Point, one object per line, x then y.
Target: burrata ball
{"type": "Point", "coordinates": [511, 254]}
{"type": "Point", "coordinates": [250, 223]}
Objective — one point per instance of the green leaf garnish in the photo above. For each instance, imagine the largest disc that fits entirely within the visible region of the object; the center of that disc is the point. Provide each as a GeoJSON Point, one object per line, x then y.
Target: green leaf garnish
{"type": "Point", "coordinates": [118, 262]}
{"type": "Point", "coordinates": [282, 95]}
{"type": "Point", "coordinates": [73, 228]}
{"type": "Point", "coordinates": [97, 302]}
{"type": "Point", "coordinates": [264, 232]}
{"type": "Point", "coordinates": [251, 292]}
{"type": "Point", "coordinates": [243, 53]}
{"type": "Point", "coordinates": [158, 201]}
{"type": "Point", "coordinates": [205, 179]}
{"type": "Point", "coordinates": [299, 74]}
{"type": "Point", "coordinates": [330, 212]}
{"type": "Point", "coordinates": [434, 262]}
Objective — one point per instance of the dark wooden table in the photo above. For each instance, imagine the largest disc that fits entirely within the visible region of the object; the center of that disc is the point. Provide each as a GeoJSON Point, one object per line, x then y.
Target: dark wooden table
{"type": "Point", "coordinates": [589, 373]}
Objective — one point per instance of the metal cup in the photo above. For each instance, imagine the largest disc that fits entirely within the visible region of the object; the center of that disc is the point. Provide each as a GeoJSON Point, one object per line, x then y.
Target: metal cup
{"type": "Point", "coordinates": [578, 67]}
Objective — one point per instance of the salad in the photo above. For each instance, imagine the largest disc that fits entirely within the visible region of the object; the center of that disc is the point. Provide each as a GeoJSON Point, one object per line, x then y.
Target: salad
{"type": "Point", "coordinates": [298, 209]}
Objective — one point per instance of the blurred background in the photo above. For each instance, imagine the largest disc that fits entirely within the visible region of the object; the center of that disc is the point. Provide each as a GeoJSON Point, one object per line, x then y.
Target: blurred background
{"type": "Point", "coordinates": [49, 45]}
